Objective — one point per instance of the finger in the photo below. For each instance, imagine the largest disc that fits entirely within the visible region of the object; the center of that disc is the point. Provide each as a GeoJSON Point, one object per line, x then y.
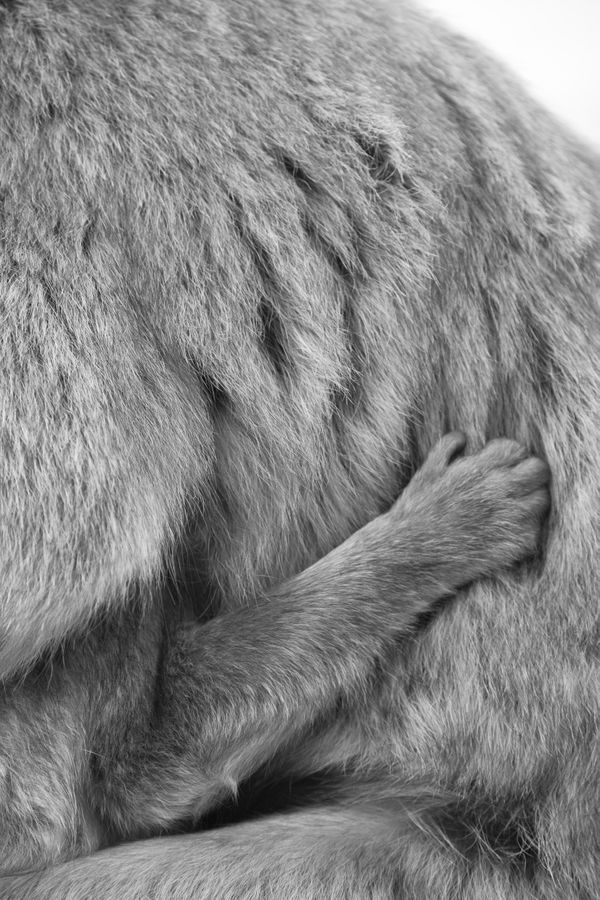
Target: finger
{"type": "Point", "coordinates": [503, 452]}
{"type": "Point", "coordinates": [530, 475]}
{"type": "Point", "coordinates": [447, 449]}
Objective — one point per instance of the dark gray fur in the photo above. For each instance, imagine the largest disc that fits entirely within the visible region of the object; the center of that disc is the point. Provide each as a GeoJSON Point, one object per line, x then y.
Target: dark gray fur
{"type": "Point", "coordinates": [254, 259]}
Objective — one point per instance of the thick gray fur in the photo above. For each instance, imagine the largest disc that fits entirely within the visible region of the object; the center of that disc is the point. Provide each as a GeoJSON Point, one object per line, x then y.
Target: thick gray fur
{"type": "Point", "coordinates": [255, 258]}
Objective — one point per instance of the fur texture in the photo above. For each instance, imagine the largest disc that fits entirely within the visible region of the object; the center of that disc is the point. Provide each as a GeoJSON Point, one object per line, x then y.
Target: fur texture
{"type": "Point", "coordinates": [255, 259]}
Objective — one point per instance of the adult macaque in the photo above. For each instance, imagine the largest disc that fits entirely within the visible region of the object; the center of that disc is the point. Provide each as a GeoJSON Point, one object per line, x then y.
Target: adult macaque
{"type": "Point", "coordinates": [255, 259]}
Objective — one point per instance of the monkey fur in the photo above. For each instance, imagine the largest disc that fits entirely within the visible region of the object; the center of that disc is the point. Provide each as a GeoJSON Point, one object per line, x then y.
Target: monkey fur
{"type": "Point", "coordinates": [255, 258]}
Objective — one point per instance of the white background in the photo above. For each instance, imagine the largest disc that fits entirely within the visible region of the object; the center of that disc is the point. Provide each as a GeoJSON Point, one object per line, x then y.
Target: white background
{"type": "Point", "coordinates": [553, 45]}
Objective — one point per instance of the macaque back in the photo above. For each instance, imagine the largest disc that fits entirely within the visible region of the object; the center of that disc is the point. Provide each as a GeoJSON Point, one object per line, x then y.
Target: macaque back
{"type": "Point", "coordinates": [254, 260]}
